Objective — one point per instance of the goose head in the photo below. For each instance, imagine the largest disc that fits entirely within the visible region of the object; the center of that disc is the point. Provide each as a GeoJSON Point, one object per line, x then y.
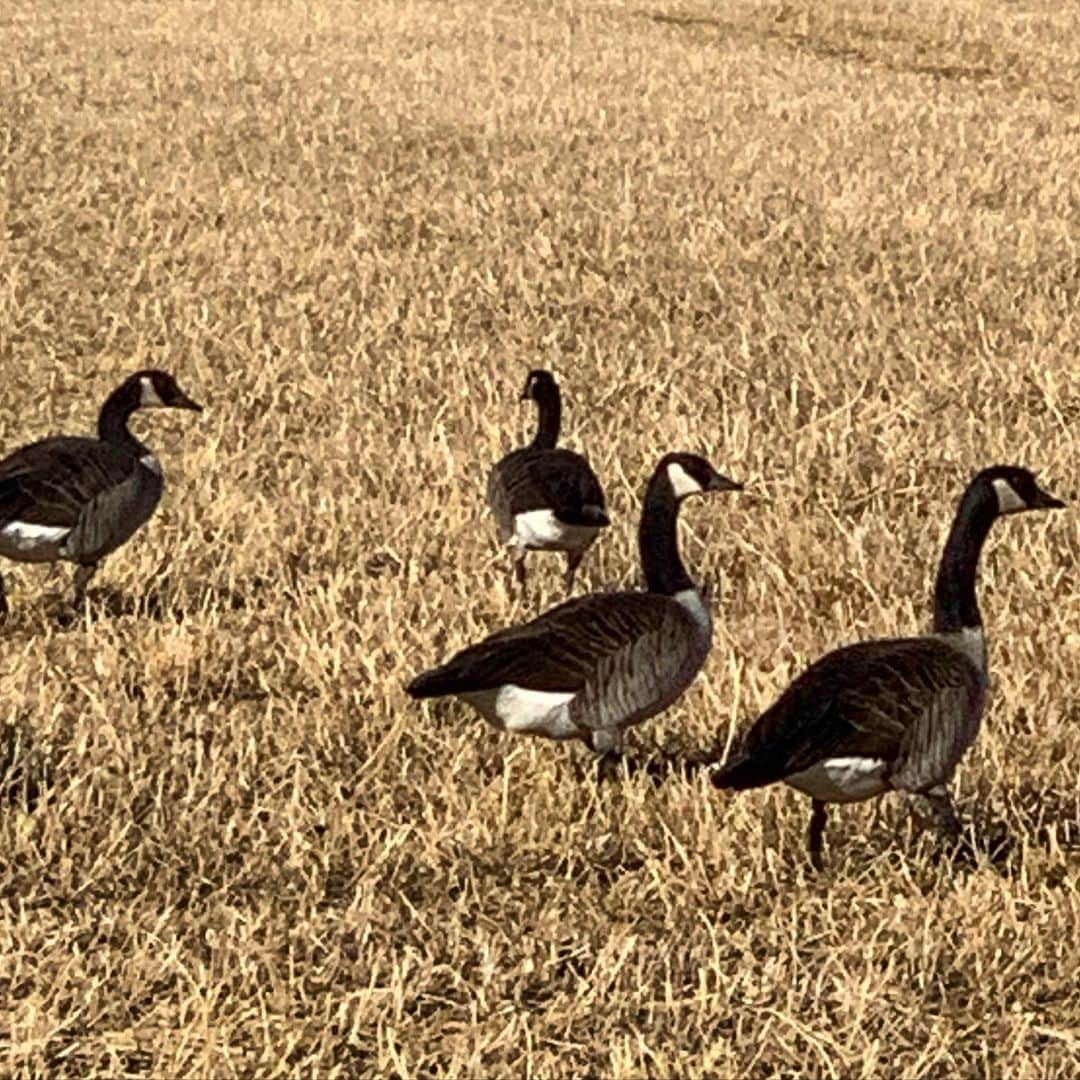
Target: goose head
{"type": "Point", "coordinates": [539, 384]}
{"type": "Point", "coordinates": [154, 389]}
{"type": "Point", "coordinates": [1010, 489]}
{"type": "Point", "coordinates": [691, 474]}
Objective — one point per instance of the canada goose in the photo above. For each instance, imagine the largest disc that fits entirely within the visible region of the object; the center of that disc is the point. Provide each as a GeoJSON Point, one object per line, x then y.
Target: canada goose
{"type": "Point", "coordinates": [895, 714]}
{"type": "Point", "coordinates": [543, 498]}
{"type": "Point", "coordinates": [591, 667]}
{"type": "Point", "coordinates": [79, 499]}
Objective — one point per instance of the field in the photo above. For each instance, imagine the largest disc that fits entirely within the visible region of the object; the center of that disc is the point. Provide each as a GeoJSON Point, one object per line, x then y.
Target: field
{"type": "Point", "coordinates": [832, 245]}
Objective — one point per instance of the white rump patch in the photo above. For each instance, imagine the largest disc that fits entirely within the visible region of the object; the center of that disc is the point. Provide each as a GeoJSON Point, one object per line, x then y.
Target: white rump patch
{"type": "Point", "coordinates": [842, 779]}
{"type": "Point", "coordinates": [541, 529]}
{"type": "Point", "coordinates": [530, 712]}
{"type": "Point", "coordinates": [23, 542]}
{"type": "Point", "coordinates": [149, 398]}
{"type": "Point", "coordinates": [150, 462]}
{"type": "Point", "coordinates": [694, 602]}
{"type": "Point", "coordinates": [1007, 499]}
{"type": "Point", "coordinates": [682, 483]}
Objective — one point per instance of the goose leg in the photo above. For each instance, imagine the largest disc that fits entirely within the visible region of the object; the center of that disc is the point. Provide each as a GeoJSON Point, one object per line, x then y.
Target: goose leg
{"type": "Point", "coordinates": [608, 744]}
{"type": "Point", "coordinates": [3, 600]}
{"type": "Point", "coordinates": [517, 556]}
{"type": "Point", "coordinates": [934, 808]}
{"type": "Point", "coordinates": [82, 578]}
{"type": "Point", "coordinates": [815, 835]}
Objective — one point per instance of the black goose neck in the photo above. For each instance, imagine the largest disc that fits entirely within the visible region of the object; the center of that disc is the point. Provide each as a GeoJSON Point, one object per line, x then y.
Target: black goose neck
{"type": "Point", "coordinates": [955, 604]}
{"type": "Point", "coordinates": [658, 541]}
{"type": "Point", "coordinates": [549, 418]}
{"type": "Point", "coordinates": [114, 416]}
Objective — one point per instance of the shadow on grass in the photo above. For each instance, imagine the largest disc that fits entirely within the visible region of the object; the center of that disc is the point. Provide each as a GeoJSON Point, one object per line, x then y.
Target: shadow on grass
{"type": "Point", "coordinates": [26, 773]}
{"type": "Point", "coordinates": [908, 48]}
{"type": "Point", "coordinates": [157, 605]}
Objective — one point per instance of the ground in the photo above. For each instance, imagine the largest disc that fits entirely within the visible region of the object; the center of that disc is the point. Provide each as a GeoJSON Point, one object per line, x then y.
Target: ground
{"type": "Point", "coordinates": [832, 245]}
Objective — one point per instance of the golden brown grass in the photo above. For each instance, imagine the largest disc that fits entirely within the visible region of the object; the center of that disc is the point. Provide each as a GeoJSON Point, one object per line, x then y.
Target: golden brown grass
{"type": "Point", "coordinates": [833, 245]}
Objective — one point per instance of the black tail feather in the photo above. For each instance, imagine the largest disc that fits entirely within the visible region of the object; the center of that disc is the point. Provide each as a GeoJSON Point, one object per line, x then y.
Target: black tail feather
{"type": "Point", "coordinates": [741, 774]}
{"type": "Point", "coordinates": [736, 774]}
{"type": "Point", "coordinates": [429, 684]}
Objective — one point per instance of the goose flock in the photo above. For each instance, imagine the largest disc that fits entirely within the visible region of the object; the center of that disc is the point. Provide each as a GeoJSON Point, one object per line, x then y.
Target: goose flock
{"type": "Point", "coordinates": [889, 715]}
{"type": "Point", "coordinates": [877, 716]}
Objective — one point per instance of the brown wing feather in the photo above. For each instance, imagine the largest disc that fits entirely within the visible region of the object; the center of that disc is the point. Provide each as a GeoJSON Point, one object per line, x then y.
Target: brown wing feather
{"type": "Point", "coordinates": [559, 651]}
{"type": "Point", "coordinates": [52, 481]}
{"type": "Point", "coordinates": [913, 702]}
{"type": "Point", "coordinates": [531, 479]}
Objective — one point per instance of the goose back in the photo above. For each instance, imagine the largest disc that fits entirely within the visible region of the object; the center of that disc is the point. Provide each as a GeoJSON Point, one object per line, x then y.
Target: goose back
{"type": "Point", "coordinates": [903, 711]}
{"type": "Point", "coordinates": [558, 480]}
{"type": "Point", "coordinates": [86, 495]}
{"type": "Point", "coordinates": [608, 660]}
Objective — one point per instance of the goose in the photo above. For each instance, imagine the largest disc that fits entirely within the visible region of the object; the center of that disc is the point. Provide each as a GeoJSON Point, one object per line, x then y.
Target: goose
{"type": "Point", "coordinates": [78, 499]}
{"type": "Point", "coordinates": [593, 666]}
{"type": "Point", "coordinates": [892, 714]}
{"type": "Point", "coordinates": [545, 498]}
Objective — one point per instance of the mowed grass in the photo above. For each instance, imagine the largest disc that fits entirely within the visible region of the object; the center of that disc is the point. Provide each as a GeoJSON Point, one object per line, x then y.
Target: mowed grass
{"type": "Point", "coordinates": [832, 245]}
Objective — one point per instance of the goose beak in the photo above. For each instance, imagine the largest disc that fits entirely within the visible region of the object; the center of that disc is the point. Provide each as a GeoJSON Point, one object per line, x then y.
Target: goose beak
{"type": "Point", "coordinates": [722, 483]}
{"type": "Point", "coordinates": [182, 401]}
{"type": "Point", "coordinates": [1043, 500]}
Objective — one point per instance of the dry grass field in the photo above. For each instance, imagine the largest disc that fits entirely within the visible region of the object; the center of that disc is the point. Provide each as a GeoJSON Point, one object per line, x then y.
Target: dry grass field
{"type": "Point", "coordinates": [832, 244]}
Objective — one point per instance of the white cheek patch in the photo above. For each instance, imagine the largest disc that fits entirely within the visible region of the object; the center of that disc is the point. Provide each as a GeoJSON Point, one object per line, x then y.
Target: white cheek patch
{"type": "Point", "coordinates": [1007, 499]}
{"type": "Point", "coordinates": [682, 483]}
{"type": "Point", "coordinates": [149, 398]}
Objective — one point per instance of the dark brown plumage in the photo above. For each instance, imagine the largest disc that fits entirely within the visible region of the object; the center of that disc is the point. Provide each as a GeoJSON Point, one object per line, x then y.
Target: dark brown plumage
{"type": "Point", "coordinates": [881, 700]}
{"type": "Point", "coordinates": [891, 714]}
{"type": "Point", "coordinates": [545, 498]}
{"type": "Point", "coordinates": [78, 499]}
{"type": "Point", "coordinates": [595, 665]}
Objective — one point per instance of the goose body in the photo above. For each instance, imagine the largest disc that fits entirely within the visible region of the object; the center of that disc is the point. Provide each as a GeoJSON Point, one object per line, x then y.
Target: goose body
{"type": "Point", "coordinates": [593, 666]}
{"type": "Point", "coordinates": [78, 499]}
{"type": "Point", "coordinates": [893, 714]}
{"type": "Point", "coordinates": [545, 498]}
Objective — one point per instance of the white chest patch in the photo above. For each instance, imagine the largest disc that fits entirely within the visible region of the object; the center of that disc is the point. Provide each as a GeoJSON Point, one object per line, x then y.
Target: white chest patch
{"type": "Point", "coordinates": [148, 461]}
{"type": "Point", "coordinates": [841, 779]}
{"type": "Point", "coordinates": [530, 712]}
{"type": "Point", "coordinates": [694, 602]}
{"type": "Point", "coordinates": [971, 641]}
{"type": "Point", "coordinates": [24, 542]}
{"type": "Point", "coordinates": [541, 529]}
